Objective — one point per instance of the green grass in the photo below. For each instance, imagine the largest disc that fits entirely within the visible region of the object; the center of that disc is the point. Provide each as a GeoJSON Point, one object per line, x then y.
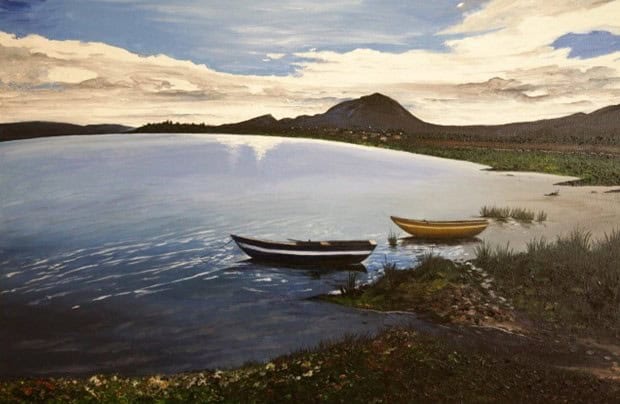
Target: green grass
{"type": "Point", "coordinates": [398, 365]}
{"type": "Point", "coordinates": [572, 282]}
{"type": "Point", "coordinates": [392, 239]}
{"type": "Point", "coordinates": [351, 283]}
{"type": "Point", "coordinates": [518, 214]}
{"type": "Point", "coordinates": [495, 212]}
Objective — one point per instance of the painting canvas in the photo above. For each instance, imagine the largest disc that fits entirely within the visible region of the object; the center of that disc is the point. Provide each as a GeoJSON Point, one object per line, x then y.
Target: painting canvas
{"type": "Point", "coordinates": [347, 201]}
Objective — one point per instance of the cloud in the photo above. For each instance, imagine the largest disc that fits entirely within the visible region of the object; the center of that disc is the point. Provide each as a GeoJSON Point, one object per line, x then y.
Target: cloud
{"type": "Point", "coordinates": [275, 56]}
{"type": "Point", "coordinates": [94, 82]}
{"type": "Point", "coordinates": [501, 14]}
{"type": "Point", "coordinates": [502, 67]}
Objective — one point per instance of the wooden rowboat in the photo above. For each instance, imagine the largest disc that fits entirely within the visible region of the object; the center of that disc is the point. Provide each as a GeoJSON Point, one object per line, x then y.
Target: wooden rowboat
{"type": "Point", "coordinates": [297, 252]}
{"type": "Point", "coordinates": [441, 229]}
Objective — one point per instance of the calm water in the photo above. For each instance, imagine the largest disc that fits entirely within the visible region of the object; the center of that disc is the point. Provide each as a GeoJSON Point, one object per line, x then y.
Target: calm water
{"type": "Point", "coordinates": [114, 252]}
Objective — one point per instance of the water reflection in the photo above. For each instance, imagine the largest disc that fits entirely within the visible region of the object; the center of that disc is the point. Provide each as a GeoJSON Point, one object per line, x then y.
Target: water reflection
{"type": "Point", "coordinates": [429, 242]}
{"type": "Point", "coordinates": [315, 271]}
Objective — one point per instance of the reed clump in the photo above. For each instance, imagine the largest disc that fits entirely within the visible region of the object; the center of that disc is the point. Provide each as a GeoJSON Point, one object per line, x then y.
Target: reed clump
{"type": "Point", "coordinates": [495, 212]}
{"type": "Point", "coordinates": [392, 239]}
{"type": "Point", "coordinates": [519, 214]}
{"type": "Point", "coordinates": [351, 283]}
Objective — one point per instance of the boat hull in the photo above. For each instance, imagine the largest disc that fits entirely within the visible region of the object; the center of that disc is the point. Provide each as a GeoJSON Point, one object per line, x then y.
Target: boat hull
{"type": "Point", "coordinates": [441, 230]}
{"type": "Point", "coordinates": [305, 253]}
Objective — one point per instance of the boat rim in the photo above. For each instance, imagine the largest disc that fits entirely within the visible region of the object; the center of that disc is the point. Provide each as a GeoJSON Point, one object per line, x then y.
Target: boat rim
{"type": "Point", "coordinates": [440, 222]}
{"type": "Point", "coordinates": [295, 243]}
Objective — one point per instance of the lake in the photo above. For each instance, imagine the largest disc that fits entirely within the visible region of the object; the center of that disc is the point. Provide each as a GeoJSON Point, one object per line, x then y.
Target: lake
{"type": "Point", "coordinates": [115, 253]}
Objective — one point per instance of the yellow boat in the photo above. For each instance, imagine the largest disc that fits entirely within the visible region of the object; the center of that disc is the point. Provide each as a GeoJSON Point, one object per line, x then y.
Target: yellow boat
{"type": "Point", "coordinates": [441, 229]}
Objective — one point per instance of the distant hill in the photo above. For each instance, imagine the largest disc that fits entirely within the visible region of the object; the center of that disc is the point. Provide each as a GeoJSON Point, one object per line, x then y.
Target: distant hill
{"type": "Point", "coordinates": [371, 112]}
{"type": "Point", "coordinates": [32, 129]}
{"type": "Point", "coordinates": [375, 113]}
{"type": "Point", "coordinates": [599, 127]}
{"type": "Point", "coordinates": [378, 113]}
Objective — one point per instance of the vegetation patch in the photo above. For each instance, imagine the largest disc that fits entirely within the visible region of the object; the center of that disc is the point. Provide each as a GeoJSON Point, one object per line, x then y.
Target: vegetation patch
{"type": "Point", "coordinates": [443, 289]}
{"type": "Point", "coordinates": [399, 365]}
{"type": "Point", "coordinates": [519, 214]}
{"type": "Point", "coordinates": [392, 239]}
{"type": "Point", "coordinates": [571, 283]}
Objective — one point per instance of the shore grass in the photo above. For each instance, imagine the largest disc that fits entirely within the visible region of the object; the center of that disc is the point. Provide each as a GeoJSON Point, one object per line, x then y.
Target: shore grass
{"type": "Point", "coordinates": [518, 214]}
{"type": "Point", "coordinates": [495, 212]}
{"type": "Point", "coordinates": [541, 216]}
{"type": "Point", "coordinates": [572, 282]}
{"type": "Point", "coordinates": [398, 365]}
{"type": "Point", "coordinates": [392, 239]}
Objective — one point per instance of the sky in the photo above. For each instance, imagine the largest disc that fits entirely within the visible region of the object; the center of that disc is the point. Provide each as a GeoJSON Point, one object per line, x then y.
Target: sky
{"type": "Point", "coordinates": [448, 62]}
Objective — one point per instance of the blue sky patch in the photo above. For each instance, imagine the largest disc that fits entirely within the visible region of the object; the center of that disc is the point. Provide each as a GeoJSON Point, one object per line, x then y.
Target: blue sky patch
{"type": "Point", "coordinates": [592, 44]}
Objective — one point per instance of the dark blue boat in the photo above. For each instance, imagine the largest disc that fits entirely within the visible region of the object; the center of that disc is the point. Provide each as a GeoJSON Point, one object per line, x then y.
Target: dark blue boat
{"type": "Point", "coordinates": [297, 252]}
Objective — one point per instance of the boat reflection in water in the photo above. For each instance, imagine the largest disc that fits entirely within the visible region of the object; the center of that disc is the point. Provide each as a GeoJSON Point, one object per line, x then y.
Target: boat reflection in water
{"type": "Point", "coordinates": [438, 241]}
{"type": "Point", "coordinates": [311, 271]}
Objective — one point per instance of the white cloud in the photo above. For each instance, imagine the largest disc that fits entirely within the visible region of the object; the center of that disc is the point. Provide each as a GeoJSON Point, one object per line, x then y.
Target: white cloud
{"type": "Point", "coordinates": [70, 75]}
{"type": "Point", "coordinates": [276, 56]}
{"type": "Point", "coordinates": [499, 14]}
{"type": "Point", "coordinates": [502, 70]}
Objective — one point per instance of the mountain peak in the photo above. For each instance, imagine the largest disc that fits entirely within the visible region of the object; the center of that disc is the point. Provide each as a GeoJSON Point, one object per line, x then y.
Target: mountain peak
{"type": "Point", "coordinates": [378, 100]}
{"type": "Point", "coordinates": [376, 97]}
{"type": "Point", "coordinates": [375, 112]}
{"type": "Point", "coordinates": [263, 122]}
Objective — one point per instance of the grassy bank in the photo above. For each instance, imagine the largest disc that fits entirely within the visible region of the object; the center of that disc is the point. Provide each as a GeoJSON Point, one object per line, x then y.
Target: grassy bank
{"type": "Point", "coordinates": [397, 366]}
{"type": "Point", "coordinates": [442, 289]}
{"type": "Point", "coordinates": [570, 283]}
